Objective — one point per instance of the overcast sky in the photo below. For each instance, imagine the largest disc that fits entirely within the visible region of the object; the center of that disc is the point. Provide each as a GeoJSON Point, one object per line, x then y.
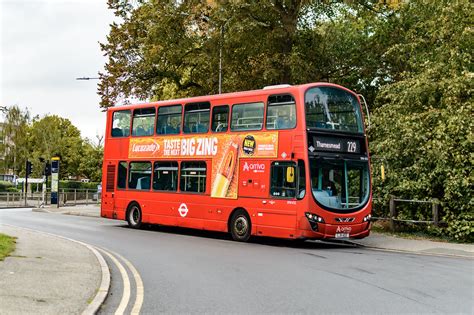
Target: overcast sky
{"type": "Point", "coordinates": [45, 45]}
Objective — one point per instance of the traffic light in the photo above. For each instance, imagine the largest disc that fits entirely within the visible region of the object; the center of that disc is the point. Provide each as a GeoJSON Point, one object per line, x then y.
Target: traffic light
{"type": "Point", "coordinates": [28, 168]}
{"type": "Point", "coordinates": [47, 169]}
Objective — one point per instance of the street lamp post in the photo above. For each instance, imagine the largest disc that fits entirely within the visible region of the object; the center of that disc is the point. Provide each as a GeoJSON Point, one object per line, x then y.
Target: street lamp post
{"type": "Point", "coordinates": [87, 78]}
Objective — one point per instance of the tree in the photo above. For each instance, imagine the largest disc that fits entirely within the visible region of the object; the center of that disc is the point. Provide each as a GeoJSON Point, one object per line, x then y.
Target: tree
{"type": "Point", "coordinates": [91, 161]}
{"type": "Point", "coordinates": [15, 138]}
{"type": "Point", "coordinates": [51, 136]}
{"type": "Point", "coordinates": [165, 49]}
{"type": "Point", "coordinates": [423, 126]}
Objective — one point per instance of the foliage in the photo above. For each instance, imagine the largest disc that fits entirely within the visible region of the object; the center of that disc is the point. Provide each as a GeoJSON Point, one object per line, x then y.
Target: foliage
{"type": "Point", "coordinates": [14, 146]}
{"type": "Point", "coordinates": [43, 138]}
{"type": "Point", "coordinates": [423, 129]}
{"type": "Point", "coordinates": [461, 226]}
{"type": "Point", "coordinates": [70, 184]}
{"type": "Point", "coordinates": [5, 185]}
{"type": "Point", "coordinates": [91, 161]}
{"type": "Point", "coordinates": [170, 49]}
{"type": "Point", "coordinates": [52, 136]}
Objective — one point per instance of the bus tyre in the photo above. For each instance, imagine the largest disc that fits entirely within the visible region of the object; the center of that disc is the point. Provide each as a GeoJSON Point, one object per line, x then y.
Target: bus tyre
{"type": "Point", "coordinates": [240, 226]}
{"type": "Point", "coordinates": [134, 216]}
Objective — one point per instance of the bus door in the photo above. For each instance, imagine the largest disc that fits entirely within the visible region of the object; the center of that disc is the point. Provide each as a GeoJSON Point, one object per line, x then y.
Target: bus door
{"type": "Point", "coordinates": [108, 194]}
{"type": "Point", "coordinates": [277, 216]}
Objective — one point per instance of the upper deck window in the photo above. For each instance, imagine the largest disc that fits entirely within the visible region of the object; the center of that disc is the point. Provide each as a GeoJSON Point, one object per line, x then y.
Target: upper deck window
{"type": "Point", "coordinates": [281, 112]}
{"type": "Point", "coordinates": [196, 117]}
{"type": "Point", "coordinates": [332, 108]}
{"type": "Point", "coordinates": [143, 121]}
{"type": "Point", "coordinates": [220, 117]}
{"type": "Point", "coordinates": [247, 116]}
{"type": "Point", "coordinates": [121, 123]}
{"type": "Point", "coordinates": [169, 120]}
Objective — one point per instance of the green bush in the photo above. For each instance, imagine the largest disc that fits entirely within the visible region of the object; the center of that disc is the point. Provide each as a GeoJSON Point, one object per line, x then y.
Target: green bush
{"type": "Point", "coordinates": [460, 226]}
{"type": "Point", "coordinates": [5, 186]}
{"type": "Point", "coordinates": [63, 184]}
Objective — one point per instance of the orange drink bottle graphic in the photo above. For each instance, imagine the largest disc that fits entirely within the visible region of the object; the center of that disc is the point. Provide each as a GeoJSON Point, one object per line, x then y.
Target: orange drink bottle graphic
{"type": "Point", "coordinates": [226, 172]}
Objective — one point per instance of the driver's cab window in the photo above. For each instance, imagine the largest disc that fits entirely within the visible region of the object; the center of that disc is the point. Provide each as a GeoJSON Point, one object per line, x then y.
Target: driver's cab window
{"type": "Point", "coordinates": [283, 180]}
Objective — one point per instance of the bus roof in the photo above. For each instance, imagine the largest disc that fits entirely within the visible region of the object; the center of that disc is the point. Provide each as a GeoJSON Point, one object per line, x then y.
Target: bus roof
{"type": "Point", "coordinates": [268, 90]}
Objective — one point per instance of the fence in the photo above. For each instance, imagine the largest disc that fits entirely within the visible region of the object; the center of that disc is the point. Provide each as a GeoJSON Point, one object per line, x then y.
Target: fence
{"type": "Point", "coordinates": [67, 197]}
{"type": "Point", "coordinates": [393, 212]}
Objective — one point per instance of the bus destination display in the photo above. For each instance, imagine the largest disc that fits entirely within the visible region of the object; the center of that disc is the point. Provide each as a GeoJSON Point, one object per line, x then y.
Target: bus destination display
{"type": "Point", "coordinates": [330, 144]}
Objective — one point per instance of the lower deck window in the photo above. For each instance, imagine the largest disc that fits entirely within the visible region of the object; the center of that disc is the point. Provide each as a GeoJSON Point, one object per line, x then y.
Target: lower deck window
{"type": "Point", "coordinates": [193, 177]}
{"type": "Point", "coordinates": [122, 175]}
{"type": "Point", "coordinates": [139, 175]}
{"type": "Point", "coordinates": [165, 176]}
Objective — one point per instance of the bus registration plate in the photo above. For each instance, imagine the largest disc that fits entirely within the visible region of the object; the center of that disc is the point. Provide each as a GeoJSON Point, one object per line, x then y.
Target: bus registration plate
{"type": "Point", "coordinates": [342, 235]}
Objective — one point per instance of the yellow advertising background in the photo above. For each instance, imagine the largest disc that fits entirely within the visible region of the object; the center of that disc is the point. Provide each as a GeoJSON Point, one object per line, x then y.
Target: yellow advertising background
{"type": "Point", "coordinates": [212, 146]}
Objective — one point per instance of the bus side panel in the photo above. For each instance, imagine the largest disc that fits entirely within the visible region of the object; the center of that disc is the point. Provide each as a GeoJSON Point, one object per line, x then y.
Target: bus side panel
{"type": "Point", "coordinates": [277, 218]}
{"type": "Point", "coordinates": [122, 200]}
{"type": "Point", "coordinates": [163, 207]}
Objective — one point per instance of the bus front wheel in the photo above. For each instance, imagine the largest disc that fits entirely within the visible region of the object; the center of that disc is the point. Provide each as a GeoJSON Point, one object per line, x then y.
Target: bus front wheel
{"type": "Point", "coordinates": [240, 226]}
{"type": "Point", "coordinates": [134, 216]}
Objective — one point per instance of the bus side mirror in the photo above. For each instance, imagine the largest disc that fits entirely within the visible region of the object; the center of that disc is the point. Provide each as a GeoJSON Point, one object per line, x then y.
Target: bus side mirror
{"type": "Point", "coordinates": [290, 174]}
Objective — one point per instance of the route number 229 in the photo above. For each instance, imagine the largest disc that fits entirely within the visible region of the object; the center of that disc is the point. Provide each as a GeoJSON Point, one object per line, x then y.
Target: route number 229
{"type": "Point", "coordinates": [351, 146]}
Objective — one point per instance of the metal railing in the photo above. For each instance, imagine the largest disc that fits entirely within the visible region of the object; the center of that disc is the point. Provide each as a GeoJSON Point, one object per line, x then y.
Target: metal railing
{"type": "Point", "coordinates": [67, 197]}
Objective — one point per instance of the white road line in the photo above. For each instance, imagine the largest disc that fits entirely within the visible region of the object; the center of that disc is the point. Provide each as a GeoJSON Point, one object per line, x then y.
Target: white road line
{"type": "Point", "coordinates": [139, 284]}
{"type": "Point", "coordinates": [126, 284]}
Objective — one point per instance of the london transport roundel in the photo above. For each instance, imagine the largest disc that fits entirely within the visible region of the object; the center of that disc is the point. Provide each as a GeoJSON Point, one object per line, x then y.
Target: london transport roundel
{"type": "Point", "coordinates": [183, 210]}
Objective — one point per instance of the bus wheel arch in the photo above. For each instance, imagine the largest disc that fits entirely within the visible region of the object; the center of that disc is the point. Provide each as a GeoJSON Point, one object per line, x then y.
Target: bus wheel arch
{"type": "Point", "coordinates": [134, 215]}
{"type": "Point", "coordinates": [240, 225]}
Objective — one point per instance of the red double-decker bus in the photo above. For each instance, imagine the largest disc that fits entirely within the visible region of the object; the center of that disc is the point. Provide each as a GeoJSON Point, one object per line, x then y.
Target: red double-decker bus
{"type": "Point", "coordinates": [285, 161]}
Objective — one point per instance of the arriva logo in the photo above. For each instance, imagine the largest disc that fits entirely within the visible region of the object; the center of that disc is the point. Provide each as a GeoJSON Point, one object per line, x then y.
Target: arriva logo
{"type": "Point", "coordinates": [344, 229]}
{"type": "Point", "coordinates": [255, 167]}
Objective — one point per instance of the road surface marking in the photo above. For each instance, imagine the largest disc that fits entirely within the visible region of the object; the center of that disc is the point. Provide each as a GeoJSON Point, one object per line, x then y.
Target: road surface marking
{"type": "Point", "coordinates": [139, 284]}
{"type": "Point", "coordinates": [126, 283]}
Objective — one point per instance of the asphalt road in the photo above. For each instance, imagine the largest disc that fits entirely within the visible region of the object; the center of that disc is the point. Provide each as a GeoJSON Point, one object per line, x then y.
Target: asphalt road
{"type": "Point", "coordinates": [189, 271]}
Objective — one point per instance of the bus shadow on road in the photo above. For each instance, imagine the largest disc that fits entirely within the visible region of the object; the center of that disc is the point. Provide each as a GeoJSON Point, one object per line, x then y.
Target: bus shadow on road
{"type": "Point", "coordinates": [257, 240]}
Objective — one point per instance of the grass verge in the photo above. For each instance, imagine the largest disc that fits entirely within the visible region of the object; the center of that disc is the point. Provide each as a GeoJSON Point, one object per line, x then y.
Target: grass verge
{"type": "Point", "coordinates": [7, 245]}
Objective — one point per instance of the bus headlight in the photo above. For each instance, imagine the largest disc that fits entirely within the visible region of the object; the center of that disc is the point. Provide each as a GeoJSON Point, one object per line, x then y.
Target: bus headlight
{"type": "Point", "coordinates": [367, 218]}
{"type": "Point", "coordinates": [313, 220]}
{"type": "Point", "coordinates": [314, 217]}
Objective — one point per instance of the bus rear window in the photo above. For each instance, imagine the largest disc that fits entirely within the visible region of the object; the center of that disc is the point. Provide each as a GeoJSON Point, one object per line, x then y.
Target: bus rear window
{"type": "Point", "coordinates": [121, 123]}
{"type": "Point", "coordinates": [247, 116]}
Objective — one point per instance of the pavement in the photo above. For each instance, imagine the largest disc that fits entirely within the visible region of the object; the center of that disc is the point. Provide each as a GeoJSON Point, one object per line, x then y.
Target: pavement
{"type": "Point", "coordinates": [53, 275]}
{"type": "Point", "coordinates": [47, 275]}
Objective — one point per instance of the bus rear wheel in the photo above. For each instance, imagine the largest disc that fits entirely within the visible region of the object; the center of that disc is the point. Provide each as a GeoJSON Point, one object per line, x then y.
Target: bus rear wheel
{"type": "Point", "coordinates": [134, 216]}
{"type": "Point", "coordinates": [240, 226]}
